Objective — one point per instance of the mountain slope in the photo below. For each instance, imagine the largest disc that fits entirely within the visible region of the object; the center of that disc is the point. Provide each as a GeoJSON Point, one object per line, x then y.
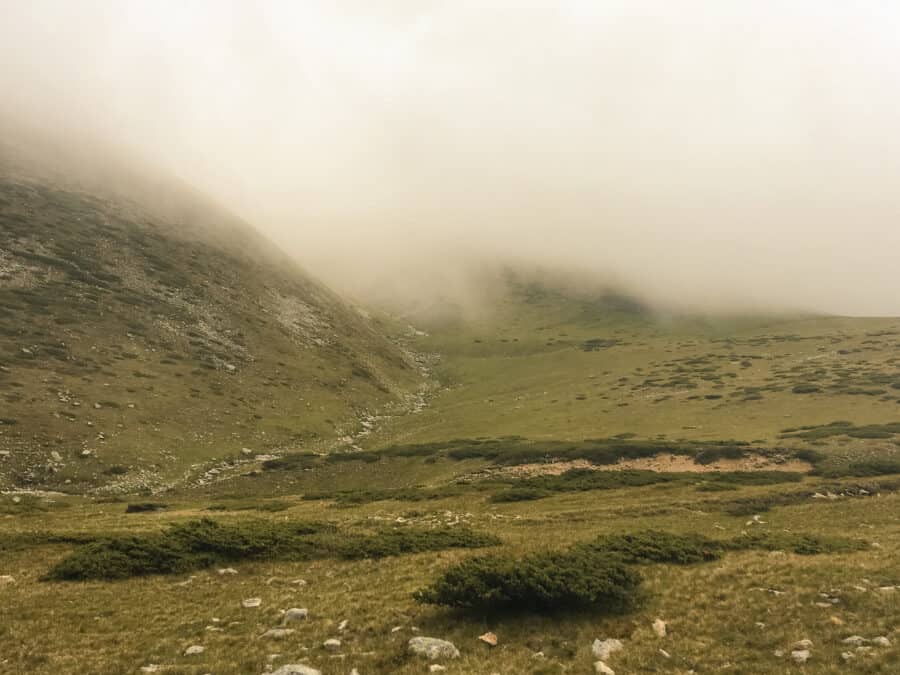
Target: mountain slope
{"type": "Point", "coordinates": [140, 336]}
{"type": "Point", "coordinates": [552, 361]}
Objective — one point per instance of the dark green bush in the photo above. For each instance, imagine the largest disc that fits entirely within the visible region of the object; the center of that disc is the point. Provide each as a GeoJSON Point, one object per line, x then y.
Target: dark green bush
{"type": "Point", "coordinates": [145, 507]}
{"type": "Point", "coordinates": [873, 467]}
{"type": "Point", "coordinates": [523, 494]}
{"type": "Point", "coordinates": [202, 543]}
{"type": "Point", "coordinates": [577, 579]}
{"type": "Point", "coordinates": [412, 494]}
{"type": "Point", "coordinates": [748, 506]}
{"type": "Point", "coordinates": [711, 455]}
{"type": "Point", "coordinates": [293, 462]}
{"type": "Point", "coordinates": [654, 546]}
{"type": "Point", "coordinates": [395, 542]}
{"type": "Point", "coordinates": [802, 544]}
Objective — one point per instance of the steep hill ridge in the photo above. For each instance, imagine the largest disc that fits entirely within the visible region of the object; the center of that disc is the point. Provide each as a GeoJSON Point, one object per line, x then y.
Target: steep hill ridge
{"type": "Point", "coordinates": [136, 341]}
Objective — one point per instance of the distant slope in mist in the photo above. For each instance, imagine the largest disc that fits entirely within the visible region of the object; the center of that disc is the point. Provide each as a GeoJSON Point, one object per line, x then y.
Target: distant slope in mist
{"type": "Point", "coordinates": [548, 357]}
{"type": "Point", "coordinates": [143, 330]}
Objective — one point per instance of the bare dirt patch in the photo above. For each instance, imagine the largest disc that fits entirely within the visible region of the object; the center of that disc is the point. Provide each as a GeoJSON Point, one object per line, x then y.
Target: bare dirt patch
{"type": "Point", "coordinates": [662, 462]}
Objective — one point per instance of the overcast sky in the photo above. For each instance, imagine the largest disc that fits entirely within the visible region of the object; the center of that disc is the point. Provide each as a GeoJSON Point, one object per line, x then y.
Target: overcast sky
{"type": "Point", "coordinates": [704, 152]}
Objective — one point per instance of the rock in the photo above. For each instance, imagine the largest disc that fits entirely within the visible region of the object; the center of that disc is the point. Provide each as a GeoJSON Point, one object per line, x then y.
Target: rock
{"type": "Point", "coordinates": [601, 649]}
{"type": "Point", "coordinates": [6, 579]}
{"type": "Point", "coordinates": [297, 669]}
{"type": "Point", "coordinates": [665, 654]}
{"type": "Point", "coordinates": [227, 570]}
{"type": "Point", "coordinates": [800, 656]}
{"type": "Point", "coordinates": [342, 626]}
{"type": "Point", "coordinates": [848, 656]}
{"type": "Point", "coordinates": [661, 628]}
{"type": "Point", "coordinates": [803, 644]}
{"type": "Point", "coordinates": [436, 668]}
{"type": "Point", "coordinates": [251, 603]}
{"type": "Point", "coordinates": [150, 668]}
{"type": "Point", "coordinates": [332, 645]}
{"type": "Point", "coordinates": [489, 639]}
{"type": "Point", "coordinates": [432, 648]}
{"type": "Point", "coordinates": [603, 669]}
{"type": "Point", "coordinates": [277, 633]}
{"type": "Point", "coordinates": [836, 620]}
{"type": "Point", "coordinates": [881, 641]}
{"type": "Point", "coordinates": [55, 456]}
{"type": "Point", "coordinates": [296, 614]}
{"type": "Point", "coordinates": [194, 650]}
{"type": "Point", "coordinates": [855, 640]}
{"type": "Point", "coordinates": [778, 653]}
{"type": "Point", "coordinates": [246, 451]}
{"type": "Point", "coordinates": [354, 672]}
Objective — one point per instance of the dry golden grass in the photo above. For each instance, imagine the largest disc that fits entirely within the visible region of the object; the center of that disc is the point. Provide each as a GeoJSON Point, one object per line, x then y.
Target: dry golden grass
{"type": "Point", "coordinates": [712, 609]}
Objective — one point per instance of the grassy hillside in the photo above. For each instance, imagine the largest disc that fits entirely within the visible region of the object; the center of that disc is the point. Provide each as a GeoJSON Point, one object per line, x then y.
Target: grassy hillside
{"type": "Point", "coordinates": [587, 469]}
{"type": "Point", "coordinates": [551, 363]}
{"type": "Point", "coordinates": [137, 341]}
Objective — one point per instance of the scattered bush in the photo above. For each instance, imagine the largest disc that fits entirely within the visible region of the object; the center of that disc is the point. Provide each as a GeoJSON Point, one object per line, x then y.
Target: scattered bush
{"type": "Point", "coordinates": [413, 494]}
{"type": "Point", "coordinates": [202, 543]}
{"type": "Point", "coordinates": [406, 541]}
{"type": "Point", "coordinates": [802, 544]}
{"type": "Point", "coordinates": [145, 507]}
{"type": "Point", "coordinates": [654, 546]}
{"type": "Point", "coordinates": [293, 462]}
{"type": "Point", "coordinates": [523, 494]}
{"type": "Point", "coordinates": [868, 468]}
{"type": "Point", "coordinates": [577, 579]}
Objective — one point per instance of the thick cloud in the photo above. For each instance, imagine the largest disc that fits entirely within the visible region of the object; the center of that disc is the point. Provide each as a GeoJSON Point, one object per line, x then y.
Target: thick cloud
{"type": "Point", "coordinates": [705, 153]}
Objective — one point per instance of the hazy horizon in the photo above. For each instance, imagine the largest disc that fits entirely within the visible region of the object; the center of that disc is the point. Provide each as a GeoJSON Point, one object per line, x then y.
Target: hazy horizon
{"type": "Point", "coordinates": [705, 155]}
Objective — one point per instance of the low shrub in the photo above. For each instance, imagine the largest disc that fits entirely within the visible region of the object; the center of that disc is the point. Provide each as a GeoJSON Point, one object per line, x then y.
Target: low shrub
{"type": "Point", "coordinates": [654, 546]}
{"type": "Point", "coordinates": [412, 494]}
{"type": "Point", "coordinates": [802, 544]}
{"type": "Point", "coordinates": [145, 507]}
{"type": "Point", "coordinates": [578, 579]}
{"type": "Point", "coordinates": [748, 506]}
{"type": "Point", "coordinates": [872, 467]}
{"type": "Point", "coordinates": [202, 543]}
{"type": "Point", "coordinates": [293, 462]}
{"type": "Point", "coordinates": [523, 494]}
{"type": "Point", "coordinates": [394, 542]}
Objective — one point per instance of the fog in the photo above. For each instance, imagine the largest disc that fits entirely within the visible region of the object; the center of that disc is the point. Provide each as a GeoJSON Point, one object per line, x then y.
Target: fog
{"type": "Point", "coordinates": [708, 154]}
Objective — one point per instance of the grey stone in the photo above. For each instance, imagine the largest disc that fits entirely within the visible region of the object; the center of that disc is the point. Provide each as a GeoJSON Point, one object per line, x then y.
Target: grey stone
{"type": "Point", "coordinates": [296, 614]}
{"type": "Point", "coordinates": [601, 649]}
{"type": "Point", "coordinates": [277, 633]}
{"type": "Point", "coordinates": [297, 669]}
{"type": "Point", "coordinates": [800, 655]}
{"type": "Point", "coordinates": [432, 648]}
